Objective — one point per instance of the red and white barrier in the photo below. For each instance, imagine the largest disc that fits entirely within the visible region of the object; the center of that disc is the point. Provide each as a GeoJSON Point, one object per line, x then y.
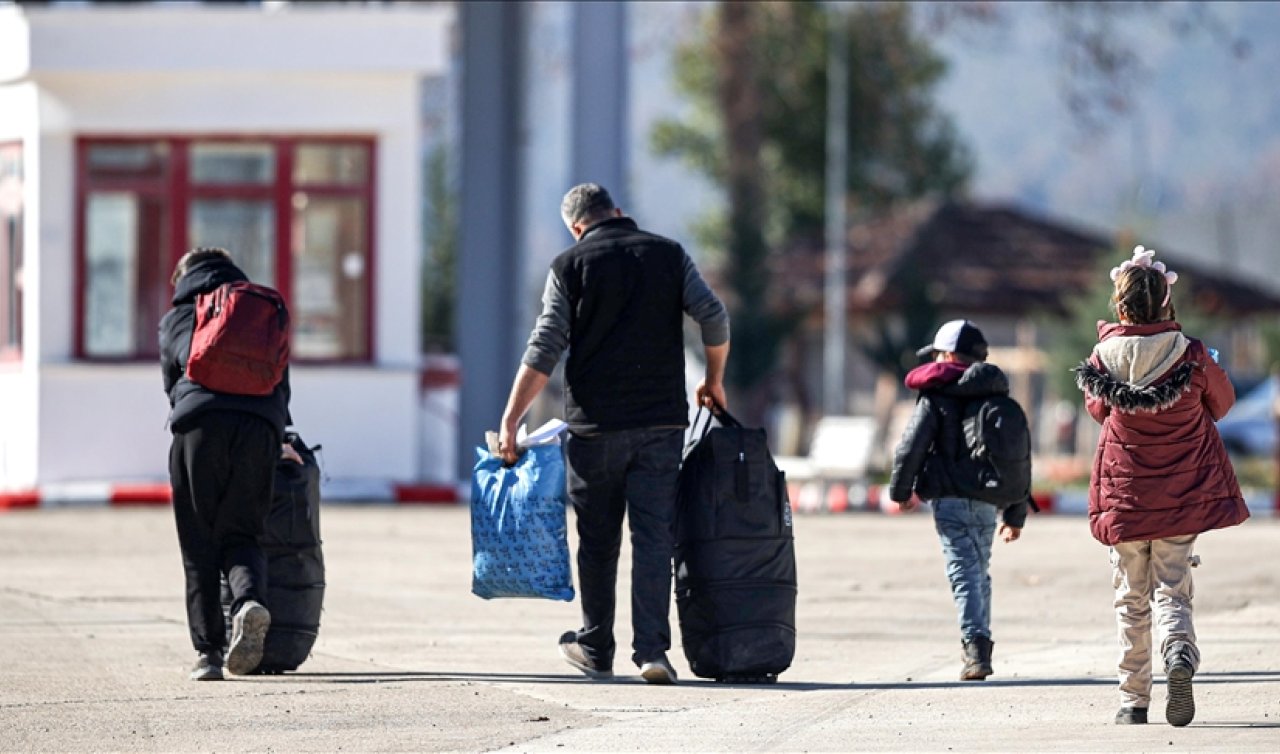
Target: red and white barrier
{"type": "Point", "coordinates": [810, 496]}
{"type": "Point", "coordinates": [158, 493]}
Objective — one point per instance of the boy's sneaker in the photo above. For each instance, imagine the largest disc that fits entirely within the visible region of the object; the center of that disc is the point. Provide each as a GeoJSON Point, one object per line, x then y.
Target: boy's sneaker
{"type": "Point", "coordinates": [575, 655]}
{"type": "Point", "coordinates": [1131, 716]}
{"type": "Point", "coordinates": [248, 634]}
{"type": "Point", "coordinates": [1180, 709]}
{"type": "Point", "coordinates": [658, 671]}
{"type": "Point", "coordinates": [208, 667]}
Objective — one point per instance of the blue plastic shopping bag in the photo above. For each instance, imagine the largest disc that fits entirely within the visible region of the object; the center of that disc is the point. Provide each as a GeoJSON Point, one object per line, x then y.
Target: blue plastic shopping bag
{"type": "Point", "coordinates": [519, 543]}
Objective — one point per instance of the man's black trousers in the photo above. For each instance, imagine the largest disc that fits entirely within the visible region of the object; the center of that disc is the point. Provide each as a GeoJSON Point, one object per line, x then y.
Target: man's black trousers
{"type": "Point", "coordinates": [222, 470]}
{"type": "Point", "coordinates": [631, 472]}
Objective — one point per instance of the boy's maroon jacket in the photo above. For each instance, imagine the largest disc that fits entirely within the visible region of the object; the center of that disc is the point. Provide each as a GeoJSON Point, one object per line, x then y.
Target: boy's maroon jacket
{"type": "Point", "coordinates": [1161, 469]}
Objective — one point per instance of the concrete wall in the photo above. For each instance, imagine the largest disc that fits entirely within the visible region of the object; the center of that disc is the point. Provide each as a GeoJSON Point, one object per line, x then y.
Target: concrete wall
{"type": "Point", "coordinates": [19, 389]}
{"type": "Point", "coordinates": [211, 37]}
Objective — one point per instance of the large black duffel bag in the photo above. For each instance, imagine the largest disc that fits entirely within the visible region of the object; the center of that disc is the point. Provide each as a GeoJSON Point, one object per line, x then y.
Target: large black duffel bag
{"type": "Point", "coordinates": [735, 557]}
{"type": "Point", "coordinates": [295, 563]}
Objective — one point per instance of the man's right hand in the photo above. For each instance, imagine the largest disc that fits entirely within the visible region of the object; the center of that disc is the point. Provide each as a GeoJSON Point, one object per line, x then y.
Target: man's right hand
{"type": "Point", "coordinates": [507, 447]}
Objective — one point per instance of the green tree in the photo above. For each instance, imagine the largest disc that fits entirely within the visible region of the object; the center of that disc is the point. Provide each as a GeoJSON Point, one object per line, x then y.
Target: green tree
{"type": "Point", "coordinates": [755, 76]}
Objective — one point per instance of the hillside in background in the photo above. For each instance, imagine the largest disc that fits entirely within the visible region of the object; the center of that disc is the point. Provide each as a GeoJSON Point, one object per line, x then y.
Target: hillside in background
{"type": "Point", "coordinates": [1194, 164]}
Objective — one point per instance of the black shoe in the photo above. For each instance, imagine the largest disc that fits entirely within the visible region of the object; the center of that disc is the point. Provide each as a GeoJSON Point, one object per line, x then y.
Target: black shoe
{"type": "Point", "coordinates": [248, 635]}
{"type": "Point", "coordinates": [658, 671]}
{"type": "Point", "coordinates": [575, 655]}
{"type": "Point", "coordinates": [977, 659]}
{"type": "Point", "coordinates": [1131, 716]}
{"type": "Point", "coordinates": [208, 667]}
{"type": "Point", "coordinates": [1180, 709]}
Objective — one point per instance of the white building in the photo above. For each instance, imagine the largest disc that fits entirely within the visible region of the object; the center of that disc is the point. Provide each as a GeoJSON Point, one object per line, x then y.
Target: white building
{"type": "Point", "coordinates": [288, 134]}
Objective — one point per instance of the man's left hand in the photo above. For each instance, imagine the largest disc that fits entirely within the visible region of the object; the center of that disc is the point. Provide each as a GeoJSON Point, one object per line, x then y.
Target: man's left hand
{"type": "Point", "coordinates": [288, 453]}
{"type": "Point", "coordinates": [1009, 533]}
{"type": "Point", "coordinates": [711, 396]}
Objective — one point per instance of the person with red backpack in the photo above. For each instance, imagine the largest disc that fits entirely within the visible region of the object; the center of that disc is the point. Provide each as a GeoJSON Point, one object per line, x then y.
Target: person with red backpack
{"type": "Point", "coordinates": [967, 452]}
{"type": "Point", "coordinates": [226, 442]}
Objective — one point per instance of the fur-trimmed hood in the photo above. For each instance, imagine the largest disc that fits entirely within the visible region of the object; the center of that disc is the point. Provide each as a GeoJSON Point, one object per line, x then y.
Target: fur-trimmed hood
{"type": "Point", "coordinates": [1140, 354]}
{"type": "Point", "coordinates": [1128, 398]}
{"type": "Point", "coordinates": [1137, 367]}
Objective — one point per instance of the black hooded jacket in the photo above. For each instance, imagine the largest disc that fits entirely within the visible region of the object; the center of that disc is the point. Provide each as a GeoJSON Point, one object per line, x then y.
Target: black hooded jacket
{"type": "Point", "coordinates": [188, 399]}
{"type": "Point", "coordinates": [925, 460]}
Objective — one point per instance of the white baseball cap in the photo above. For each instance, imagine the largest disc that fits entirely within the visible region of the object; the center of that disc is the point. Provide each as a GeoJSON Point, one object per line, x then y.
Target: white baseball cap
{"type": "Point", "coordinates": [957, 336]}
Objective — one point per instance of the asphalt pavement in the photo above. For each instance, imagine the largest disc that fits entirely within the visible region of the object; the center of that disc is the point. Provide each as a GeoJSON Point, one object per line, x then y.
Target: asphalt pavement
{"type": "Point", "coordinates": [94, 650]}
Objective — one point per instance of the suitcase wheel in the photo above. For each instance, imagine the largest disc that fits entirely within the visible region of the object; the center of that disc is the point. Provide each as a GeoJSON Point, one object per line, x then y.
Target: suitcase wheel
{"type": "Point", "coordinates": [749, 679]}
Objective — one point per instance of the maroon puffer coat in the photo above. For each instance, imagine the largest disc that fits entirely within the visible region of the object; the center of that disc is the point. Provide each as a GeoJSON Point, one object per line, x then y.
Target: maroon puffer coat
{"type": "Point", "coordinates": [1160, 469]}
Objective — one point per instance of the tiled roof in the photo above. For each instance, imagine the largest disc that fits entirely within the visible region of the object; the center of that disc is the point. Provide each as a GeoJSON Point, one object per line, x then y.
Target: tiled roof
{"type": "Point", "coordinates": [995, 259]}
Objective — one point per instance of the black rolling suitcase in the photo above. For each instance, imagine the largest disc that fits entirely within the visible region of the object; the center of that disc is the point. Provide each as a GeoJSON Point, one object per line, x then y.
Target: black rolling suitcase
{"type": "Point", "coordinates": [295, 563]}
{"type": "Point", "coordinates": [735, 557]}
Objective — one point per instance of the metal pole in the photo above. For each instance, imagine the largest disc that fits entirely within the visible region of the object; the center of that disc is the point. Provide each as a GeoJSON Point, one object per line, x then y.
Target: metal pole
{"type": "Point", "coordinates": [600, 97]}
{"type": "Point", "coordinates": [489, 332]}
{"type": "Point", "coordinates": [833, 352]}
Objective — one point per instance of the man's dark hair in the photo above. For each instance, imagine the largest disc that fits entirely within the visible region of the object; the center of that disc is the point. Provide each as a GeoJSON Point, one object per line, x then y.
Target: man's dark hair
{"type": "Point", "coordinates": [198, 254]}
{"type": "Point", "coordinates": [586, 201]}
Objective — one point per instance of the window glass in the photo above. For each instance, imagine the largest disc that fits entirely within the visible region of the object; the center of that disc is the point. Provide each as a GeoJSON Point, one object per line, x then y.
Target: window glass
{"type": "Point", "coordinates": [137, 160]}
{"type": "Point", "coordinates": [232, 163]}
{"type": "Point", "coordinates": [10, 248]}
{"type": "Point", "coordinates": [111, 240]}
{"type": "Point", "coordinates": [247, 229]}
{"type": "Point", "coordinates": [10, 164]}
{"type": "Point", "coordinates": [330, 266]}
{"type": "Point", "coordinates": [11, 277]}
{"type": "Point", "coordinates": [126, 273]}
{"type": "Point", "coordinates": [341, 164]}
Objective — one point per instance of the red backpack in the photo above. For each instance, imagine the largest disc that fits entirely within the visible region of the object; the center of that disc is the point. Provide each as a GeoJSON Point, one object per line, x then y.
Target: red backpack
{"type": "Point", "coordinates": [240, 343]}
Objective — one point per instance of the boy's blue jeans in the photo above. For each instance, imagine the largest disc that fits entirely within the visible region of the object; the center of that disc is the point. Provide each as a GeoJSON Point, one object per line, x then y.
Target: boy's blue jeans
{"type": "Point", "coordinates": [967, 529]}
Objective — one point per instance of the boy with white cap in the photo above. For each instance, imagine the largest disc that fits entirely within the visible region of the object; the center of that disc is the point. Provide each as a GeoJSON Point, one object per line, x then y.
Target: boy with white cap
{"type": "Point", "coordinates": [934, 460]}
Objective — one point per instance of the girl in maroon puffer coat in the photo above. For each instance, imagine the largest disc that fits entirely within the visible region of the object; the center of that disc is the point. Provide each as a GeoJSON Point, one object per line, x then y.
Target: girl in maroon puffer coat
{"type": "Point", "coordinates": [1161, 476]}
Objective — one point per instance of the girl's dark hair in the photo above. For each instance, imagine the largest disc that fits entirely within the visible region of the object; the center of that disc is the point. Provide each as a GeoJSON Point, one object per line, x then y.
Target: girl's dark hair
{"type": "Point", "coordinates": [198, 254]}
{"type": "Point", "coordinates": [1138, 295]}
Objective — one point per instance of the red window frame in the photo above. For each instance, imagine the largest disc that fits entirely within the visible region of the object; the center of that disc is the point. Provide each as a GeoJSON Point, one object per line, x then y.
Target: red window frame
{"type": "Point", "coordinates": [8, 352]}
{"type": "Point", "coordinates": [176, 187]}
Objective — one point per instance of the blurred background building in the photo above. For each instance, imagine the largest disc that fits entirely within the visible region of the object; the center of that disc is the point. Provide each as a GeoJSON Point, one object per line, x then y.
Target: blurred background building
{"type": "Point", "coordinates": [396, 170]}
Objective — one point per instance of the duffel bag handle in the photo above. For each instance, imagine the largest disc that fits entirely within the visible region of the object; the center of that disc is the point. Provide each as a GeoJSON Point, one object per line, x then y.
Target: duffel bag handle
{"type": "Point", "coordinates": [719, 413]}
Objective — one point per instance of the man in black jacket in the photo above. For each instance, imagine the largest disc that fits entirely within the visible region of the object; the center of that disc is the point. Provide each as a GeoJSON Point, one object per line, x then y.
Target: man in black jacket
{"type": "Point", "coordinates": [931, 458]}
{"type": "Point", "coordinates": [221, 469]}
{"type": "Point", "coordinates": [616, 301]}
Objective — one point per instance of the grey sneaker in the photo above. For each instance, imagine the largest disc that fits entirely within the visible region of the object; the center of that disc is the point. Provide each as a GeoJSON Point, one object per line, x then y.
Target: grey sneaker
{"type": "Point", "coordinates": [1131, 716]}
{"type": "Point", "coordinates": [575, 655]}
{"type": "Point", "coordinates": [658, 671]}
{"type": "Point", "coordinates": [248, 634]}
{"type": "Point", "coordinates": [208, 667]}
{"type": "Point", "coordinates": [1180, 709]}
